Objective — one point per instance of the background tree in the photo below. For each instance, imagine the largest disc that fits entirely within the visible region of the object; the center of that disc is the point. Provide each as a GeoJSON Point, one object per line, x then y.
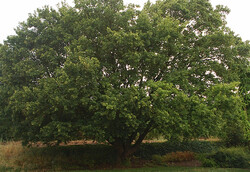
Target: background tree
{"type": "Point", "coordinates": [104, 71]}
{"type": "Point", "coordinates": [228, 105]}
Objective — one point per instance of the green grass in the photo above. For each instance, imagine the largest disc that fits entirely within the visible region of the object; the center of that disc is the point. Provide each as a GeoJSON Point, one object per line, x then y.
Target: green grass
{"type": "Point", "coordinates": [170, 169]}
{"type": "Point", "coordinates": [152, 169]}
{"type": "Point", "coordinates": [10, 169]}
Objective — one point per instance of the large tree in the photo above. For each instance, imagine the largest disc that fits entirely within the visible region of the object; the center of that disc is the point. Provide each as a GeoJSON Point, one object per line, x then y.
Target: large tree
{"type": "Point", "coordinates": [104, 71]}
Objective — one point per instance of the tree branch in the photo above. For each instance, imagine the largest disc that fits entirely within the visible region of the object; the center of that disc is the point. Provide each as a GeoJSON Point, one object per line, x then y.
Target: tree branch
{"type": "Point", "coordinates": [142, 136]}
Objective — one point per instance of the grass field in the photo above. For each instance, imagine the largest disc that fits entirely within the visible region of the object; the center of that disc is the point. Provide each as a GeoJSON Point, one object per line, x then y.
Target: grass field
{"type": "Point", "coordinates": [154, 169]}
{"type": "Point", "coordinates": [171, 169]}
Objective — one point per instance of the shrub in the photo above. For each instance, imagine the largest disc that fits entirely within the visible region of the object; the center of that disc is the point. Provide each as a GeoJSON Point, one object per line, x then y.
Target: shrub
{"type": "Point", "coordinates": [209, 163]}
{"type": "Point", "coordinates": [173, 157]}
{"type": "Point", "coordinates": [158, 159]}
{"type": "Point", "coordinates": [179, 156]}
{"type": "Point", "coordinates": [228, 158]}
{"type": "Point", "coordinates": [57, 157]}
{"type": "Point", "coordinates": [236, 135]}
{"type": "Point", "coordinates": [146, 150]}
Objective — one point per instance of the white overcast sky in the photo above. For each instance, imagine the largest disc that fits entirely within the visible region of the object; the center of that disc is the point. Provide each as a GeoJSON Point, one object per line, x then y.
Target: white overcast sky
{"type": "Point", "coordinates": [14, 11]}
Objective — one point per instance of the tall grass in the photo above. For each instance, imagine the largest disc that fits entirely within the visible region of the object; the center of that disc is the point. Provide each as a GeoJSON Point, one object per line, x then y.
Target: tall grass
{"type": "Point", "coordinates": [10, 153]}
{"type": "Point", "coordinates": [15, 156]}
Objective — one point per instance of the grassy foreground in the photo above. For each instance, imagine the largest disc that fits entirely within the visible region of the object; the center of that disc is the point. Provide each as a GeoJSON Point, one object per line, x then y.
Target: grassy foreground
{"type": "Point", "coordinates": [172, 169]}
{"type": "Point", "coordinates": [153, 169]}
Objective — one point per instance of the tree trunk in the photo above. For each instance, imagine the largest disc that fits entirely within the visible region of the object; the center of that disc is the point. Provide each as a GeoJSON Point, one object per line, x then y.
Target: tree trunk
{"type": "Point", "coordinates": [123, 152]}
{"type": "Point", "coordinates": [125, 148]}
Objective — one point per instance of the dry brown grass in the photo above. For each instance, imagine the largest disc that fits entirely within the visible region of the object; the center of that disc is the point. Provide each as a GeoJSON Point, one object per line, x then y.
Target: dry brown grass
{"type": "Point", "coordinates": [10, 153]}
{"type": "Point", "coordinates": [14, 155]}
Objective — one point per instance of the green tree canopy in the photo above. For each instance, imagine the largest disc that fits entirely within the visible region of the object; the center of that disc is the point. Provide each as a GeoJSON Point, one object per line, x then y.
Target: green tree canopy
{"type": "Point", "coordinates": [109, 72]}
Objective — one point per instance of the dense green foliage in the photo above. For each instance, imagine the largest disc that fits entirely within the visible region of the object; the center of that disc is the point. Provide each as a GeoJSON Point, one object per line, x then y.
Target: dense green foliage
{"type": "Point", "coordinates": [147, 150]}
{"type": "Point", "coordinates": [228, 158]}
{"type": "Point", "coordinates": [108, 72]}
{"type": "Point", "coordinates": [69, 157]}
{"type": "Point", "coordinates": [236, 126]}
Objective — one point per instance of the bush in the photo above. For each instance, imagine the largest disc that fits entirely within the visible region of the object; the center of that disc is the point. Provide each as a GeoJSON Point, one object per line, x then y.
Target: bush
{"type": "Point", "coordinates": [83, 156]}
{"type": "Point", "coordinates": [236, 135]}
{"type": "Point", "coordinates": [209, 163]}
{"type": "Point", "coordinates": [179, 156]}
{"type": "Point", "coordinates": [56, 157]}
{"type": "Point", "coordinates": [158, 159]}
{"type": "Point", "coordinates": [146, 150]}
{"type": "Point", "coordinates": [173, 157]}
{"type": "Point", "coordinates": [228, 158]}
